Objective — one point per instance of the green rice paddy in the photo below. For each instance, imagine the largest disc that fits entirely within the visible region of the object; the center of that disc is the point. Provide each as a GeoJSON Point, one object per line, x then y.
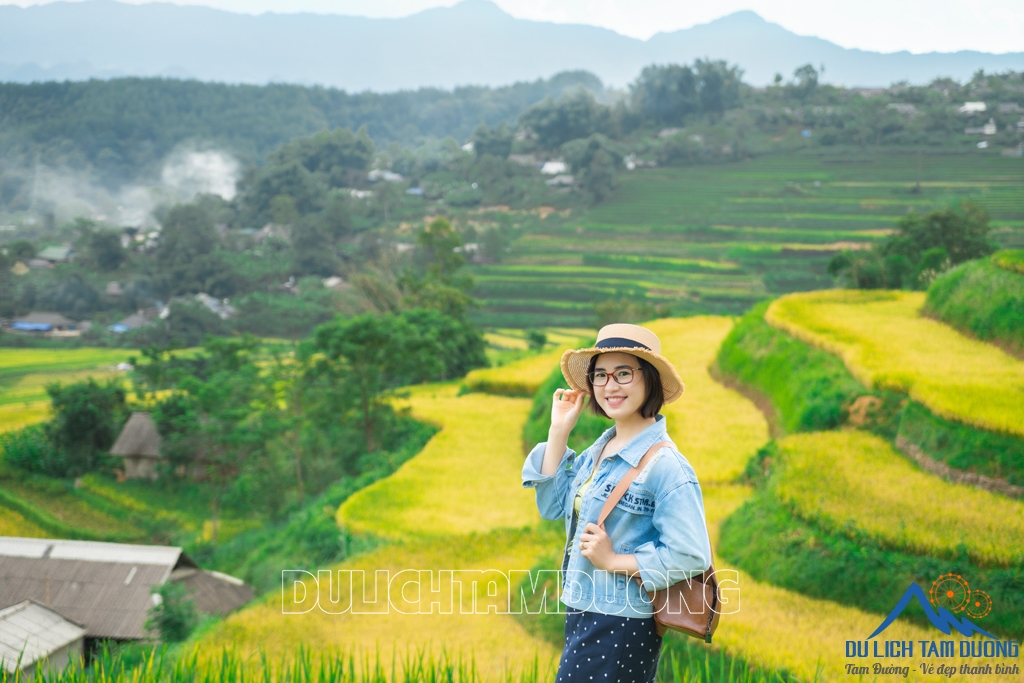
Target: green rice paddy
{"type": "Point", "coordinates": [716, 239]}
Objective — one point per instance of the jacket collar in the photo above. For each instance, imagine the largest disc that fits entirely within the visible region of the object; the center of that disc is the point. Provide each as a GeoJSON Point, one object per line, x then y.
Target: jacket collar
{"type": "Point", "coordinates": [639, 445]}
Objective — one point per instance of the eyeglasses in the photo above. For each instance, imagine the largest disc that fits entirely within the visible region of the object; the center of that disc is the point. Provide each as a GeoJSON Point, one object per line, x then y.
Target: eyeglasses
{"type": "Point", "coordinates": [621, 376]}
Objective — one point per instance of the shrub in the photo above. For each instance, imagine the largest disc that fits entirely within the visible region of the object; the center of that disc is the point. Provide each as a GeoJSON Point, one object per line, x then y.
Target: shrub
{"type": "Point", "coordinates": [174, 616]}
{"type": "Point", "coordinates": [32, 449]}
{"type": "Point", "coordinates": [983, 300]}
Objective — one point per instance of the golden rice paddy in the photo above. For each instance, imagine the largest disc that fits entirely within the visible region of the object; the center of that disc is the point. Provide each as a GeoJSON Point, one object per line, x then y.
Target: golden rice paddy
{"type": "Point", "coordinates": [853, 480]}
{"type": "Point", "coordinates": [885, 343]}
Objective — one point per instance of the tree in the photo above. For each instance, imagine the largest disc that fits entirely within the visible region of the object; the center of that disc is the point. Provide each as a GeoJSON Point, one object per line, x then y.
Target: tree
{"type": "Point", "coordinates": [21, 250]}
{"type": "Point", "coordinates": [105, 250]}
{"type": "Point", "coordinates": [174, 614]}
{"type": "Point", "coordinates": [495, 141]}
{"type": "Point", "coordinates": [434, 281]}
{"type": "Point", "coordinates": [87, 418]}
{"type": "Point", "coordinates": [806, 81]}
{"type": "Point", "coordinates": [594, 163]}
{"type": "Point", "coordinates": [374, 353]}
{"type": "Point", "coordinates": [577, 115]}
{"type": "Point", "coordinates": [666, 95]}
{"type": "Point", "coordinates": [186, 257]}
{"type": "Point", "coordinates": [923, 247]}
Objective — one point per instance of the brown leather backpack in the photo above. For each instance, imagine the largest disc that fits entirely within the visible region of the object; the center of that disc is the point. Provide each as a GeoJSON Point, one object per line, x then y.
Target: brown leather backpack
{"type": "Point", "coordinates": [690, 606]}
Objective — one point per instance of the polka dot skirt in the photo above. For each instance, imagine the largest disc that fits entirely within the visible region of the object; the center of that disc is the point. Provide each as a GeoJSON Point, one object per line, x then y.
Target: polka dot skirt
{"type": "Point", "coordinates": [605, 647]}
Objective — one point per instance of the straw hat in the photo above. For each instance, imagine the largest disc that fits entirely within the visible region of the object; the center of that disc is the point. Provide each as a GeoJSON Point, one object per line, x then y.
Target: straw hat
{"type": "Point", "coordinates": [620, 337]}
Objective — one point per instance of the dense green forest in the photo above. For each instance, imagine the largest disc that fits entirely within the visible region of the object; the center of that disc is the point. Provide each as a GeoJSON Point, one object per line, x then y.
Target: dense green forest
{"type": "Point", "coordinates": [123, 129]}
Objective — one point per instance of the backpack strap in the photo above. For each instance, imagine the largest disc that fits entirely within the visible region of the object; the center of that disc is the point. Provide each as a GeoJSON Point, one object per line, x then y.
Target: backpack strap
{"type": "Point", "coordinates": [616, 495]}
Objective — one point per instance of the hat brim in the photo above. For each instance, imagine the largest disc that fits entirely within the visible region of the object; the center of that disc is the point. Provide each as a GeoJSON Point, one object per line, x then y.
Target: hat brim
{"type": "Point", "coordinates": [575, 363]}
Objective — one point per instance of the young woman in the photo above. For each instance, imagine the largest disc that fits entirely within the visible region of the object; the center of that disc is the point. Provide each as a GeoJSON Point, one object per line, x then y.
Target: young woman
{"type": "Point", "coordinates": [657, 530]}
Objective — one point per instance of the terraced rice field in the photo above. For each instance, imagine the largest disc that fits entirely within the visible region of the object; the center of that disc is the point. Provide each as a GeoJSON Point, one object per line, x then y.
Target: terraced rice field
{"type": "Point", "coordinates": [24, 374]}
{"type": "Point", "coordinates": [718, 238]}
{"type": "Point", "coordinates": [856, 483]}
{"type": "Point", "coordinates": [437, 519]}
{"type": "Point", "coordinates": [886, 343]}
{"type": "Point", "coordinates": [715, 428]}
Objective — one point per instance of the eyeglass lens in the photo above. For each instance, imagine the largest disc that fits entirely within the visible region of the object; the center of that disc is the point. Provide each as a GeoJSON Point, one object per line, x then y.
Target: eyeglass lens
{"type": "Point", "coordinates": [621, 376]}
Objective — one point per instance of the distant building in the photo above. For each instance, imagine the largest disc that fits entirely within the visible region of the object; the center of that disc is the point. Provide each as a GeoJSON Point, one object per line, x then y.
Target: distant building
{"type": "Point", "coordinates": [106, 587]}
{"type": "Point", "coordinates": [132, 322]}
{"type": "Point", "coordinates": [1010, 108]}
{"type": "Point", "coordinates": [218, 306]}
{"type": "Point", "coordinates": [34, 637]}
{"type": "Point", "coordinates": [972, 108]}
{"type": "Point", "coordinates": [43, 323]}
{"type": "Point", "coordinates": [114, 289]}
{"type": "Point", "coordinates": [563, 180]}
{"type": "Point", "coordinates": [554, 167]}
{"type": "Point", "coordinates": [526, 160]}
{"type": "Point", "coordinates": [989, 128]}
{"type": "Point", "coordinates": [63, 254]}
{"type": "Point", "coordinates": [904, 109]}
{"type": "Point", "coordinates": [387, 176]}
{"type": "Point", "coordinates": [139, 445]}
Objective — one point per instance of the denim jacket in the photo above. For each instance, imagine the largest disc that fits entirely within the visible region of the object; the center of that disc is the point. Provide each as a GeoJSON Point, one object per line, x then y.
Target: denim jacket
{"type": "Point", "coordinates": [660, 520]}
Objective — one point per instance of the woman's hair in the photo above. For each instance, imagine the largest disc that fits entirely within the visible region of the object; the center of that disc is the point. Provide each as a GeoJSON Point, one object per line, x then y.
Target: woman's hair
{"type": "Point", "coordinates": [654, 399]}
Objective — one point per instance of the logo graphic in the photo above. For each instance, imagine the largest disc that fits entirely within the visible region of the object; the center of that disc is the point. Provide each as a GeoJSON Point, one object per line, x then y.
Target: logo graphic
{"type": "Point", "coordinates": [950, 594]}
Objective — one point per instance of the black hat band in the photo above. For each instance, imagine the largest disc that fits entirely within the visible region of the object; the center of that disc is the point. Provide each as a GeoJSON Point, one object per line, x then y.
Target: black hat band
{"type": "Point", "coordinates": [620, 343]}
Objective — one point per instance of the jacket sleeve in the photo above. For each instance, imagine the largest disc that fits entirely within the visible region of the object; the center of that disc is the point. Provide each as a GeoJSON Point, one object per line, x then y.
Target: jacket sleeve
{"type": "Point", "coordinates": [682, 549]}
{"type": "Point", "coordinates": [552, 489]}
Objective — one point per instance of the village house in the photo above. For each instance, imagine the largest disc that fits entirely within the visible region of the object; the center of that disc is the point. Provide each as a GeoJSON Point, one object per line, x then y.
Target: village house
{"type": "Point", "coordinates": [34, 637]}
{"type": "Point", "coordinates": [139, 445]}
{"type": "Point", "coordinates": [45, 324]}
{"type": "Point", "coordinates": [989, 128]}
{"type": "Point", "coordinates": [107, 588]}
{"type": "Point", "coordinates": [132, 322]}
{"type": "Point", "coordinates": [54, 255]}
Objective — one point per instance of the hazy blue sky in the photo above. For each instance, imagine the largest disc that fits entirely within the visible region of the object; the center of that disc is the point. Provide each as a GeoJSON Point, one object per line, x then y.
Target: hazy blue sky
{"type": "Point", "coordinates": [882, 25]}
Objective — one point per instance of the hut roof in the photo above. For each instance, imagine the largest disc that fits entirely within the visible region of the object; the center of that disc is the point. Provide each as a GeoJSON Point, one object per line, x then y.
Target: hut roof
{"type": "Point", "coordinates": [104, 586]}
{"type": "Point", "coordinates": [30, 631]}
{"type": "Point", "coordinates": [139, 437]}
{"type": "Point", "coordinates": [55, 319]}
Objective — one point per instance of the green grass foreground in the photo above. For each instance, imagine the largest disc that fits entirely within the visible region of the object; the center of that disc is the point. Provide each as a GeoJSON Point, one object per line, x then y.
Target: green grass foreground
{"type": "Point", "coordinates": [680, 663]}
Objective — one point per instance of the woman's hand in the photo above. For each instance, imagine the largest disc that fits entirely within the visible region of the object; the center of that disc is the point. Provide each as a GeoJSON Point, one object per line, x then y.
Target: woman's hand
{"type": "Point", "coordinates": [566, 406]}
{"type": "Point", "coordinates": [596, 546]}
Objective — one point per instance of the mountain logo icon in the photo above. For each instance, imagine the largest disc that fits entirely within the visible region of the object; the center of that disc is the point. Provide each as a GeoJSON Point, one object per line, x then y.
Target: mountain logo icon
{"type": "Point", "coordinates": [949, 590]}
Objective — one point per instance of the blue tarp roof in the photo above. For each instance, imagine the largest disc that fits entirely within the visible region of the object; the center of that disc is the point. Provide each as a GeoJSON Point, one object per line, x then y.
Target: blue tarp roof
{"type": "Point", "coordinates": [31, 327]}
{"type": "Point", "coordinates": [118, 328]}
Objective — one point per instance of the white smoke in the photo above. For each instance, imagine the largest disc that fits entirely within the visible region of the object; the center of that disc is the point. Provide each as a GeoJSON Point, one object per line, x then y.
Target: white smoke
{"type": "Point", "coordinates": [185, 173]}
{"type": "Point", "coordinates": [191, 172]}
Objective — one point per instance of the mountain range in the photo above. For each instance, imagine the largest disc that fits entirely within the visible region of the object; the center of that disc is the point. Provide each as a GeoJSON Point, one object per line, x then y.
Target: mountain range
{"type": "Point", "coordinates": [472, 43]}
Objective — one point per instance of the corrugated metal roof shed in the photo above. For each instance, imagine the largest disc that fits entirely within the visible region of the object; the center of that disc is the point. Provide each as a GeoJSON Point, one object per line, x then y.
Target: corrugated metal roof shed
{"type": "Point", "coordinates": [106, 586]}
{"type": "Point", "coordinates": [61, 253]}
{"type": "Point", "coordinates": [92, 550]}
{"type": "Point", "coordinates": [31, 631]}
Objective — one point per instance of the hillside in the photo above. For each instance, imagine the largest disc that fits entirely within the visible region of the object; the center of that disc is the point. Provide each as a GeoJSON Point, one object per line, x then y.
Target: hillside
{"type": "Point", "coordinates": [473, 42]}
{"type": "Point", "coordinates": [717, 238]}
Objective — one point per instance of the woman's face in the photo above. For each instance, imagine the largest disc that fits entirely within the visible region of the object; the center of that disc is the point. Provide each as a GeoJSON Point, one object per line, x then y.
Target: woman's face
{"type": "Point", "coordinates": [619, 400]}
